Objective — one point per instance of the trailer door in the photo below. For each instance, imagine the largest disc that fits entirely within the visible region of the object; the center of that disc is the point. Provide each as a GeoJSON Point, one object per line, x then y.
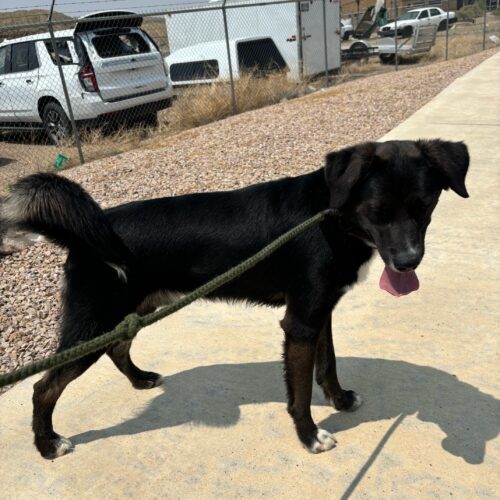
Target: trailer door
{"type": "Point", "coordinates": [313, 46]}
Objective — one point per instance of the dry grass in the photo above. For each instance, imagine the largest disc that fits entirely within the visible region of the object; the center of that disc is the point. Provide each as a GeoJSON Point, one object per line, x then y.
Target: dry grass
{"type": "Point", "coordinates": [197, 106]}
{"type": "Point", "coordinates": [193, 107]}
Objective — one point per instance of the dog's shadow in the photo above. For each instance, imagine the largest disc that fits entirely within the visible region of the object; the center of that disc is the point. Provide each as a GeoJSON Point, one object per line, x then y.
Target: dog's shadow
{"type": "Point", "coordinates": [212, 395]}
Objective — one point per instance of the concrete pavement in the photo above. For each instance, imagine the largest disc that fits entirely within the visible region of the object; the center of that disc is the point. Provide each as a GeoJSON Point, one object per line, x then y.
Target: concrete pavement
{"type": "Point", "coordinates": [426, 364]}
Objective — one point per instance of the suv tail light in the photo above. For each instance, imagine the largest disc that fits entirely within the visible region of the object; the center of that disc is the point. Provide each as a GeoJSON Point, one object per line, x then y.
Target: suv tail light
{"type": "Point", "coordinates": [88, 79]}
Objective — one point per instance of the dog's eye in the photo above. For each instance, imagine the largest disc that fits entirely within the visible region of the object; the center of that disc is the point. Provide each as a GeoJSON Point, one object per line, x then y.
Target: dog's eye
{"type": "Point", "coordinates": [379, 214]}
{"type": "Point", "coordinates": [419, 207]}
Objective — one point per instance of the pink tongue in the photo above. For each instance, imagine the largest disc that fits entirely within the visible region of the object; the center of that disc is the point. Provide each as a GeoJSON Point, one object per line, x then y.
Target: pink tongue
{"type": "Point", "coordinates": [398, 284]}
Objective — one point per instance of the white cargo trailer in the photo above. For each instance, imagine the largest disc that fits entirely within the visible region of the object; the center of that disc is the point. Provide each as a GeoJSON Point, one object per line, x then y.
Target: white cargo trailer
{"type": "Point", "coordinates": [295, 30]}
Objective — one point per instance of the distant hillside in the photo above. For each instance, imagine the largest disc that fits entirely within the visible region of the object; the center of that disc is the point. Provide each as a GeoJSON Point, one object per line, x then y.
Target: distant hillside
{"type": "Point", "coordinates": [27, 17]}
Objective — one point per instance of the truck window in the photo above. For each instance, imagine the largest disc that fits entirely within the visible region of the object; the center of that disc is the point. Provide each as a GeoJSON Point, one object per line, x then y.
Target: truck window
{"type": "Point", "coordinates": [5, 60]}
{"type": "Point", "coordinates": [194, 70]}
{"type": "Point", "coordinates": [116, 45]}
{"type": "Point", "coordinates": [424, 14]}
{"type": "Point", "coordinates": [260, 55]}
{"type": "Point", "coordinates": [63, 51]}
{"type": "Point", "coordinates": [435, 12]}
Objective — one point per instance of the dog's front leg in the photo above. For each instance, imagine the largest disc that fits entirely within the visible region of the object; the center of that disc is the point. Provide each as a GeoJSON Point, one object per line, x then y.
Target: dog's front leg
{"type": "Point", "coordinates": [326, 372]}
{"type": "Point", "coordinates": [300, 348]}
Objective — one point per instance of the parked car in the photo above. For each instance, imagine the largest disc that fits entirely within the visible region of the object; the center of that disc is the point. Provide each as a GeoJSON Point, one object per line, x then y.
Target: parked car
{"type": "Point", "coordinates": [112, 68]}
{"type": "Point", "coordinates": [345, 29]}
{"type": "Point", "coordinates": [430, 16]}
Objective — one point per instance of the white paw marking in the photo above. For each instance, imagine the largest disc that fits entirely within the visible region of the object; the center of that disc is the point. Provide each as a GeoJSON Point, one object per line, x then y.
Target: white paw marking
{"type": "Point", "coordinates": [324, 441]}
{"type": "Point", "coordinates": [358, 401]}
{"type": "Point", "coordinates": [63, 446]}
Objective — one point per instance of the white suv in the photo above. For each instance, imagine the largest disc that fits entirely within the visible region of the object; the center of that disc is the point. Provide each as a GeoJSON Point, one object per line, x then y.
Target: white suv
{"type": "Point", "coordinates": [113, 71]}
{"type": "Point", "coordinates": [430, 16]}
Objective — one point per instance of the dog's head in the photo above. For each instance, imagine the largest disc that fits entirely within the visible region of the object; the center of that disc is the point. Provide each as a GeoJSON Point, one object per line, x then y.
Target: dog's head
{"type": "Point", "coordinates": [386, 192]}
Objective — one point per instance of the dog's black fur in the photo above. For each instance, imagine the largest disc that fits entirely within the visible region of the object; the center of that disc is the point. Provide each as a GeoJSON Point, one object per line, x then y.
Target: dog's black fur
{"type": "Point", "coordinates": [129, 258]}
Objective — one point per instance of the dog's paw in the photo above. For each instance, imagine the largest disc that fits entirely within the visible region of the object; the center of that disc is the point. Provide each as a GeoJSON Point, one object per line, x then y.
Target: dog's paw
{"type": "Point", "coordinates": [54, 447]}
{"type": "Point", "coordinates": [148, 380]}
{"type": "Point", "coordinates": [348, 401]}
{"type": "Point", "coordinates": [322, 441]}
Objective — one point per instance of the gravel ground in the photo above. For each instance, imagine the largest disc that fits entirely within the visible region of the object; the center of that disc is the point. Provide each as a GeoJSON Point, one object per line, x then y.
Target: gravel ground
{"type": "Point", "coordinates": [287, 139]}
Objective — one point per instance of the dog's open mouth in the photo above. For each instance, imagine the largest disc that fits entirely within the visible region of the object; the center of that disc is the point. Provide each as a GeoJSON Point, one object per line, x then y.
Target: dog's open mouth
{"type": "Point", "coordinates": [397, 283]}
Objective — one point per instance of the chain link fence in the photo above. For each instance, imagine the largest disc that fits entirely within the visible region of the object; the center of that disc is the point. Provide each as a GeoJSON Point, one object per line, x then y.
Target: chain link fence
{"type": "Point", "coordinates": [77, 86]}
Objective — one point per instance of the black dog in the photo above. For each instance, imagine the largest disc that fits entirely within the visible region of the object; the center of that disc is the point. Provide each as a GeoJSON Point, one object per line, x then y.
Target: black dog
{"type": "Point", "coordinates": [132, 257]}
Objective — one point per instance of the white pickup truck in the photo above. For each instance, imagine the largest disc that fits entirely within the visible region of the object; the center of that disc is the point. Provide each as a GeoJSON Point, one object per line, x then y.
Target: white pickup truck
{"type": "Point", "coordinates": [428, 16]}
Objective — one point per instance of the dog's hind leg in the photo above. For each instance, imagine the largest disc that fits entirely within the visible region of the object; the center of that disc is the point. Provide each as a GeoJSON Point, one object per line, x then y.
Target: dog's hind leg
{"type": "Point", "coordinates": [46, 393]}
{"type": "Point", "coordinates": [120, 355]}
{"type": "Point", "coordinates": [326, 372]}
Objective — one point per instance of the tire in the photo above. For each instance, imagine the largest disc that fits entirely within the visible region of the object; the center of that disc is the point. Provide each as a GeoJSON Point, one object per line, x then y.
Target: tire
{"type": "Point", "coordinates": [442, 26]}
{"type": "Point", "coordinates": [387, 58]}
{"type": "Point", "coordinates": [56, 123]}
{"type": "Point", "coordinates": [150, 120]}
{"type": "Point", "coordinates": [359, 51]}
{"type": "Point", "coordinates": [347, 35]}
{"type": "Point", "coordinates": [407, 32]}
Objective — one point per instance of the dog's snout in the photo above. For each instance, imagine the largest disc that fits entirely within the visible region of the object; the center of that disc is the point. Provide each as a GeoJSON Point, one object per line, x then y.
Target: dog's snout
{"type": "Point", "coordinates": [406, 261]}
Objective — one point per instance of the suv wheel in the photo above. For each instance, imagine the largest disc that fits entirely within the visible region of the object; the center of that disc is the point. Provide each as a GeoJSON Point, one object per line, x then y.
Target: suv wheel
{"type": "Point", "coordinates": [56, 123]}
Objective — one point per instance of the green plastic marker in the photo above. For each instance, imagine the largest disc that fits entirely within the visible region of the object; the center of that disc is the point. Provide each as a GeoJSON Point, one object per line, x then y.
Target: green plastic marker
{"type": "Point", "coordinates": [60, 159]}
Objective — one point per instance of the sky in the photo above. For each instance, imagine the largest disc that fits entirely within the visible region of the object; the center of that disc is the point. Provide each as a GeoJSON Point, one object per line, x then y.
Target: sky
{"type": "Point", "coordinates": [78, 8]}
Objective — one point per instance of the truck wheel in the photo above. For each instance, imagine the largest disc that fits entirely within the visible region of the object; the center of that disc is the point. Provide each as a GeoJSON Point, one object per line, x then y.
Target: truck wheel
{"type": "Point", "coordinates": [442, 26]}
{"type": "Point", "coordinates": [387, 58]}
{"type": "Point", "coordinates": [150, 120]}
{"type": "Point", "coordinates": [56, 123]}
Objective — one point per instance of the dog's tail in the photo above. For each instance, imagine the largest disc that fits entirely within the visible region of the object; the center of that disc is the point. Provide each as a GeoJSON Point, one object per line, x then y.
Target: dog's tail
{"type": "Point", "coordinates": [62, 211]}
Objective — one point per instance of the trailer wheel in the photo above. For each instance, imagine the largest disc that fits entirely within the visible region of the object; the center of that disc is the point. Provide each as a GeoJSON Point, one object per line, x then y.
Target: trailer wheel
{"type": "Point", "coordinates": [387, 58]}
{"type": "Point", "coordinates": [358, 51]}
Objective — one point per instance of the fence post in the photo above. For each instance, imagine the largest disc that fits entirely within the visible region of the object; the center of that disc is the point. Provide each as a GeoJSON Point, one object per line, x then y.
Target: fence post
{"type": "Point", "coordinates": [64, 86]}
{"type": "Point", "coordinates": [447, 28]}
{"type": "Point", "coordinates": [395, 35]}
{"type": "Point", "coordinates": [325, 41]}
{"type": "Point", "coordinates": [228, 48]}
{"type": "Point", "coordinates": [299, 41]}
{"type": "Point", "coordinates": [484, 27]}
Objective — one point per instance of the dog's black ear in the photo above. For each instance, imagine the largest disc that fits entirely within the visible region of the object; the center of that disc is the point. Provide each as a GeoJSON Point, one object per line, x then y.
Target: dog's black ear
{"type": "Point", "coordinates": [345, 168]}
{"type": "Point", "coordinates": [452, 161]}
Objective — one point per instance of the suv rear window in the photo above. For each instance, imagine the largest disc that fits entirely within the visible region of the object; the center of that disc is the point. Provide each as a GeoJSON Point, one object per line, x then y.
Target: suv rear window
{"type": "Point", "coordinates": [116, 45]}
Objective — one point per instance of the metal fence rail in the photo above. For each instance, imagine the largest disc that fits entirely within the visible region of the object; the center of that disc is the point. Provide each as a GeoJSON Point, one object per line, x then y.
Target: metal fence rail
{"type": "Point", "coordinates": [73, 89]}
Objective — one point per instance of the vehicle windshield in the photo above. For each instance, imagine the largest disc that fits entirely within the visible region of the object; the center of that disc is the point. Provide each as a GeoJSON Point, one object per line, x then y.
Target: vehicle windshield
{"type": "Point", "coordinates": [408, 15]}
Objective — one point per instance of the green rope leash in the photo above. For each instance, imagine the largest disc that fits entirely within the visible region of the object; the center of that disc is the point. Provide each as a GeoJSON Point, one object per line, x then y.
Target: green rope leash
{"type": "Point", "coordinates": [131, 324]}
